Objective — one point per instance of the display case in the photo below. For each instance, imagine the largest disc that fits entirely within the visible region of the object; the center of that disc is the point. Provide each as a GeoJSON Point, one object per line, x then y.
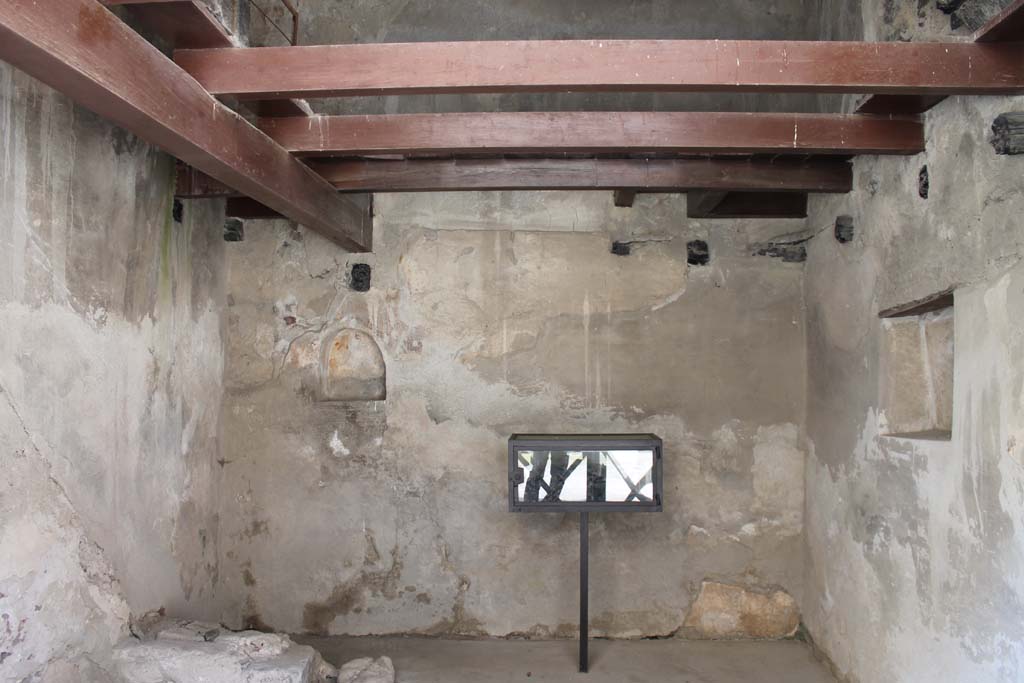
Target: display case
{"type": "Point", "coordinates": [584, 473]}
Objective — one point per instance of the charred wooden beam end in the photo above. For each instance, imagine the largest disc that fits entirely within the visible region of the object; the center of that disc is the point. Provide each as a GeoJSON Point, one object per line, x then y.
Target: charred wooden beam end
{"type": "Point", "coordinates": [234, 230]}
{"type": "Point", "coordinates": [360, 278]}
{"type": "Point", "coordinates": [1008, 133]}
{"type": "Point", "coordinates": [844, 229]}
{"type": "Point", "coordinates": [697, 253]}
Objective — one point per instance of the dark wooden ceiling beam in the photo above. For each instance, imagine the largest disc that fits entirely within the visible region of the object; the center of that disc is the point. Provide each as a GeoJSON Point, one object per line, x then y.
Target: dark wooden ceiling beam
{"type": "Point", "coordinates": [248, 209]}
{"type": "Point", "coordinates": [650, 175]}
{"type": "Point", "coordinates": [189, 24]}
{"type": "Point", "coordinates": [608, 65]}
{"type": "Point", "coordinates": [81, 49]}
{"type": "Point", "coordinates": [595, 133]}
{"type": "Point", "coordinates": [184, 24]}
{"type": "Point", "coordinates": [746, 205]}
{"type": "Point", "coordinates": [701, 204]}
{"type": "Point", "coordinates": [1005, 27]}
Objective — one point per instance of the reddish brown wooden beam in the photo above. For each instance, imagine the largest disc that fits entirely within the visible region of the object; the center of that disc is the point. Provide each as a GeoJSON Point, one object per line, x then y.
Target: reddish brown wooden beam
{"type": "Point", "coordinates": [596, 133]}
{"type": "Point", "coordinates": [608, 65]}
{"type": "Point", "coordinates": [246, 209]}
{"type": "Point", "coordinates": [746, 205]}
{"type": "Point", "coordinates": [899, 105]}
{"type": "Point", "coordinates": [79, 48]}
{"type": "Point", "coordinates": [191, 183]}
{"type": "Point", "coordinates": [182, 23]}
{"type": "Point", "coordinates": [1005, 27]}
{"type": "Point", "coordinates": [701, 204]}
{"type": "Point", "coordinates": [191, 24]}
{"type": "Point", "coordinates": [652, 175]}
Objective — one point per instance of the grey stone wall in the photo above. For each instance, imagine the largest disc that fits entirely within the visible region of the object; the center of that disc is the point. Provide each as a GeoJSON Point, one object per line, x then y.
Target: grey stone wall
{"type": "Point", "coordinates": [111, 363]}
{"type": "Point", "coordinates": [498, 313]}
{"type": "Point", "coordinates": [915, 546]}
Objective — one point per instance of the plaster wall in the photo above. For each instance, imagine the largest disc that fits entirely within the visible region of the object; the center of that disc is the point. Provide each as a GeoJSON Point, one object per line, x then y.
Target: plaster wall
{"type": "Point", "coordinates": [499, 313]}
{"type": "Point", "coordinates": [111, 363]}
{"type": "Point", "coordinates": [505, 312]}
{"type": "Point", "coordinates": [915, 550]}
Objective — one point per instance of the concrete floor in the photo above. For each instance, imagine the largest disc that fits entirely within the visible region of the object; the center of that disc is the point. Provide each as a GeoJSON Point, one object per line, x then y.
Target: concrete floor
{"type": "Point", "coordinates": [422, 660]}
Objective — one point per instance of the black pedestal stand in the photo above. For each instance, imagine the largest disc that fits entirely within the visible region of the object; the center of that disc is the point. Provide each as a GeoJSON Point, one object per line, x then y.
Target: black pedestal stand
{"type": "Point", "coordinates": [584, 620]}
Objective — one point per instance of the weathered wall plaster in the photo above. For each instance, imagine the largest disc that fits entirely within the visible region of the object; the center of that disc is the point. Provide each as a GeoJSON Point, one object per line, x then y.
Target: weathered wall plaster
{"type": "Point", "coordinates": [503, 312]}
{"type": "Point", "coordinates": [111, 364]}
{"type": "Point", "coordinates": [914, 548]}
{"type": "Point", "coordinates": [391, 516]}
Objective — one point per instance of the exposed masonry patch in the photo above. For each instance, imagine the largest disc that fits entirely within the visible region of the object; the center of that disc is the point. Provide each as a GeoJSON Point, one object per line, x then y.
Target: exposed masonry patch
{"type": "Point", "coordinates": [625, 247]}
{"type": "Point", "coordinates": [789, 252]}
{"type": "Point", "coordinates": [923, 182]}
{"type": "Point", "coordinates": [724, 611]}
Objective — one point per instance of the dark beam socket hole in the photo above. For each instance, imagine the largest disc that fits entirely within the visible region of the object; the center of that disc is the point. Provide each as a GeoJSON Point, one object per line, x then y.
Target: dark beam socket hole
{"type": "Point", "coordinates": [360, 279]}
{"type": "Point", "coordinates": [697, 253]}
{"type": "Point", "coordinates": [234, 230]}
{"type": "Point", "coordinates": [844, 229]}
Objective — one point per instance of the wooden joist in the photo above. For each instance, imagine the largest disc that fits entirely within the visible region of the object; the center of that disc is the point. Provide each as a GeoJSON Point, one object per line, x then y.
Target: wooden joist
{"type": "Point", "coordinates": [83, 50]}
{"type": "Point", "coordinates": [608, 65]}
{"type": "Point", "coordinates": [746, 205]}
{"type": "Point", "coordinates": [182, 23]}
{"type": "Point", "coordinates": [189, 24]}
{"type": "Point", "coordinates": [1005, 27]}
{"type": "Point", "coordinates": [701, 204]}
{"type": "Point", "coordinates": [595, 133]}
{"type": "Point", "coordinates": [651, 175]}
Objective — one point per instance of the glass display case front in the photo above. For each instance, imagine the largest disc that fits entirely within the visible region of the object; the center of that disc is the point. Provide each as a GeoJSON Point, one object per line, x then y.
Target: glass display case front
{"type": "Point", "coordinates": [573, 472]}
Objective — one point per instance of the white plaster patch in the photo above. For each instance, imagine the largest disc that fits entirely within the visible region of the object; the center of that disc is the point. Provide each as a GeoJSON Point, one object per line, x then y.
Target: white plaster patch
{"type": "Point", "coordinates": [337, 447]}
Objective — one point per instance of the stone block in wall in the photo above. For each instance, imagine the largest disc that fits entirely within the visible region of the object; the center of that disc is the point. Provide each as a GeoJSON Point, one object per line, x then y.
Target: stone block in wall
{"type": "Point", "coordinates": [722, 611]}
{"type": "Point", "coordinates": [351, 367]}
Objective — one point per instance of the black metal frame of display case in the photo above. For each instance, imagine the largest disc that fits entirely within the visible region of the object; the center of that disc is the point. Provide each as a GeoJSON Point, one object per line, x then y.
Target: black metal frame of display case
{"type": "Point", "coordinates": [588, 443]}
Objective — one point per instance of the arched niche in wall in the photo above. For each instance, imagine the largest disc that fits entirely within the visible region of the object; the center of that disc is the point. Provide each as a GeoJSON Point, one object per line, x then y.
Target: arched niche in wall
{"type": "Point", "coordinates": [351, 367]}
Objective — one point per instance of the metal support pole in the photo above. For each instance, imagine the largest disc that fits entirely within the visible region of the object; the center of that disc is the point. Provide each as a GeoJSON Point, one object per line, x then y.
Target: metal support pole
{"type": "Point", "coordinates": [584, 619]}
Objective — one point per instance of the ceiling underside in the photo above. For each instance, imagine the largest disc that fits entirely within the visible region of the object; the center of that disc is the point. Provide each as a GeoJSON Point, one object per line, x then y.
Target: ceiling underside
{"type": "Point", "coordinates": [279, 158]}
